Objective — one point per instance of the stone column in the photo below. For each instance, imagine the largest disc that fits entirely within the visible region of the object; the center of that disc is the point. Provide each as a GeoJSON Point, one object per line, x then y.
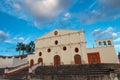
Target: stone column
{"type": "Point", "coordinates": [5, 72]}
{"type": "Point", "coordinates": [30, 72]}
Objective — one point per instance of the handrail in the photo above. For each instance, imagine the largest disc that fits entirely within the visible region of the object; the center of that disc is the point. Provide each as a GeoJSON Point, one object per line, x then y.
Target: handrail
{"type": "Point", "coordinates": [17, 68]}
{"type": "Point", "coordinates": [10, 68]}
{"type": "Point", "coordinates": [35, 66]}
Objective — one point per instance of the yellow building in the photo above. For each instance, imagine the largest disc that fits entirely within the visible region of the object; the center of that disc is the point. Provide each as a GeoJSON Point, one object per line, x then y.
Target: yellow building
{"type": "Point", "coordinates": [64, 47]}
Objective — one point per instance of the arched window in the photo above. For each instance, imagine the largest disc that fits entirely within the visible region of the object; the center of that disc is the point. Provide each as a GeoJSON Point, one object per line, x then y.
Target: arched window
{"type": "Point", "coordinates": [104, 43]}
{"type": "Point", "coordinates": [109, 43]}
{"type": "Point", "coordinates": [100, 44]}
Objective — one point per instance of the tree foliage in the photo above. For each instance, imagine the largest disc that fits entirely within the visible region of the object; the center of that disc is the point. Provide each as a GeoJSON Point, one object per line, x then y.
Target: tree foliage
{"type": "Point", "coordinates": [28, 48]}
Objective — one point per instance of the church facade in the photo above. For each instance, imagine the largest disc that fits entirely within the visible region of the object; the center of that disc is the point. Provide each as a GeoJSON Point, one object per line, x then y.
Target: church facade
{"type": "Point", "coordinates": [68, 47]}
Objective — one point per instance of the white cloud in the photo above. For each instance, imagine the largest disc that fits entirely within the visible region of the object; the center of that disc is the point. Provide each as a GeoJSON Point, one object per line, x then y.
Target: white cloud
{"type": "Point", "coordinates": [92, 5]}
{"type": "Point", "coordinates": [114, 34]}
{"type": "Point", "coordinates": [42, 8]}
{"type": "Point", "coordinates": [3, 36]}
{"type": "Point", "coordinates": [108, 30]}
{"type": "Point", "coordinates": [101, 10]}
{"type": "Point", "coordinates": [117, 46]}
{"type": "Point", "coordinates": [117, 40]}
{"type": "Point", "coordinates": [100, 33]}
{"type": "Point", "coordinates": [96, 32]}
{"type": "Point", "coordinates": [47, 11]}
{"type": "Point", "coordinates": [67, 16]}
{"type": "Point", "coordinates": [19, 38]}
{"type": "Point", "coordinates": [17, 6]}
{"type": "Point", "coordinates": [37, 11]}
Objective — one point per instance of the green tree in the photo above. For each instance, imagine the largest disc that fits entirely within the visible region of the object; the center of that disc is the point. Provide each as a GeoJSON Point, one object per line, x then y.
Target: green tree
{"type": "Point", "coordinates": [23, 48]}
{"type": "Point", "coordinates": [32, 45]}
{"type": "Point", "coordinates": [28, 49]}
{"type": "Point", "coordinates": [20, 47]}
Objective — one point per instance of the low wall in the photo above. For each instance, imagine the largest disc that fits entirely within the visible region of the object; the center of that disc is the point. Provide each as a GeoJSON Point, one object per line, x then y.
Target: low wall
{"type": "Point", "coordinates": [12, 61]}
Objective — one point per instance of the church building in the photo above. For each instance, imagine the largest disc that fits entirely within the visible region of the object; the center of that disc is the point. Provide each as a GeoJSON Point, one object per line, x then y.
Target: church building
{"type": "Point", "coordinates": [68, 47]}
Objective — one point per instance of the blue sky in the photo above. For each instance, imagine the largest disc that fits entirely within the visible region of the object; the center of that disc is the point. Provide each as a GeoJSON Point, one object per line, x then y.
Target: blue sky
{"type": "Point", "coordinates": [25, 20]}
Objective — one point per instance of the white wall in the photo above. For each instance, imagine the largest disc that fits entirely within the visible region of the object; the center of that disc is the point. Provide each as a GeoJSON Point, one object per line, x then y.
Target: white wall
{"type": "Point", "coordinates": [70, 39]}
{"type": "Point", "coordinates": [19, 61]}
{"type": "Point", "coordinates": [107, 54]}
{"type": "Point", "coordinates": [5, 62]}
{"type": "Point", "coordinates": [12, 62]}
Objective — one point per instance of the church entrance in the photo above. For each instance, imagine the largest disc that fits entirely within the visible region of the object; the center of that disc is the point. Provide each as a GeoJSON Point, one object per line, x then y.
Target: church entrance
{"type": "Point", "coordinates": [77, 59]}
{"type": "Point", "coordinates": [40, 60]}
{"type": "Point", "coordinates": [31, 62]}
{"type": "Point", "coordinates": [93, 58]}
{"type": "Point", "coordinates": [56, 60]}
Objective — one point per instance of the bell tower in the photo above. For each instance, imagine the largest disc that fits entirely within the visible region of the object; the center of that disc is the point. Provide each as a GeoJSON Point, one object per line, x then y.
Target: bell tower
{"type": "Point", "coordinates": [104, 42]}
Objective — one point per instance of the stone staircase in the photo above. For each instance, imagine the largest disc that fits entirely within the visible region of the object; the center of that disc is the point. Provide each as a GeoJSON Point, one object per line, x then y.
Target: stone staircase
{"type": "Point", "coordinates": [77, 72]}
{"type": "Point", "coordinates": [75, 69]}
{"type": "Point", "coordinates": [64, 72]}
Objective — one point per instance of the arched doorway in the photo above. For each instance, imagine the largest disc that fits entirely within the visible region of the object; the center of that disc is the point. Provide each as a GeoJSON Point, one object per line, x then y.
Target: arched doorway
{"type": "Point", "coordinates": [40, 60]}
{"type": "Point", "coordinates": [77, 59]}
{"type": "Point", "coordinates": [56, 60]}
{"type": "Point", "coordinates": [31, 62]}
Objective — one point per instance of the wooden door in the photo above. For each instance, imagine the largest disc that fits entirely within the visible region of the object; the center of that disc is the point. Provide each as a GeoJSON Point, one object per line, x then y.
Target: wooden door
{"type": "Point", "coordinates": [56, 60]}
{"type": "Point", "coordinates": [93, 58]}
{"type": "Point", "coordinates": [40, 60]}
{"type": "Point", "coordinates": [77, 59]}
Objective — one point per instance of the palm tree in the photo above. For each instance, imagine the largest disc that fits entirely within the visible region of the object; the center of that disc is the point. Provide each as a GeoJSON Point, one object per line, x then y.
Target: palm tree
{"type": "Point", "coordinates": [20, 47]}
{"type": "Point", "coordinates": [32, 45]}
{"type": "Point", "coordinates": [23, 48]}
{"type": "Point", "coordinates": [30, 48]}
{"type": "Point", "coordinates": [18, 50]}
